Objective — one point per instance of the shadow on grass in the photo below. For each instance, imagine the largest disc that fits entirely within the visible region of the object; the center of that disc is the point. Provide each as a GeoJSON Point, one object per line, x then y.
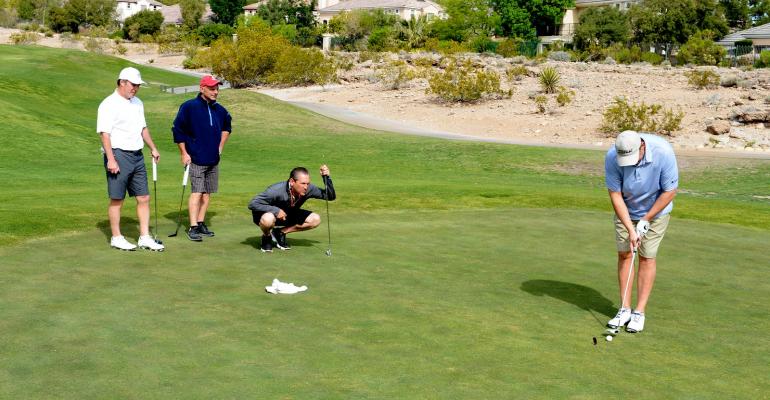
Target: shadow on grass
{"type": "Point", "coordinates": [579, 295]}
{"type": "Point", "coordinates": [129, 227]}
{"type": "Point", "coordinates": [256, 242]}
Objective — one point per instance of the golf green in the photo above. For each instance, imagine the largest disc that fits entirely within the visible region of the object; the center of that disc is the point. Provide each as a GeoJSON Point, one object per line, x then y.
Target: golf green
{"type": "Point", "coordinates": [459, 270]}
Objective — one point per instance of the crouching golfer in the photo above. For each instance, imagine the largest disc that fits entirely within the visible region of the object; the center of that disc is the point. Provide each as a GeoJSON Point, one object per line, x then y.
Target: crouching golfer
{"type": "Point", "coordinates": [278, 210]}
{"type": "Point", "coordinates": [123, 130]}
{"type": "Point", "coordinates": [642, 178]}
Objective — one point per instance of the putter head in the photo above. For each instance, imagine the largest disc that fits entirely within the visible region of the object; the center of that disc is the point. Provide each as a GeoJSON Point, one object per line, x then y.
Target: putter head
{"type": "Point", "coordinates": [329, 253]}
{"type": "Point", "coordinates": [173, 234]}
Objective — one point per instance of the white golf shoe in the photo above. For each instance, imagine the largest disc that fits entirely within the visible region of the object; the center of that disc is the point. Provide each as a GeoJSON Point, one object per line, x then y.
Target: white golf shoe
{"type": "Point", "coordinates": [637, 322]}
{"type": "Point", "coordinates": [147, 242]}
{"type": "Point", "coordinates": [120, 243]}
{"type": "Point", "coordinates": [621, 318]}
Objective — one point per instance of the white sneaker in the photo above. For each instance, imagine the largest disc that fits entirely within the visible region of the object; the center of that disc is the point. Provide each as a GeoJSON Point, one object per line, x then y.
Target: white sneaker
{"type": "Point", "coordinates": [147, 242]}
{"type": "Point", "coordinates": [637, 322]}
{"type": "Point", "coordinates": [120, 243]}
{"type": "Point", "coordinates": [621, 318]}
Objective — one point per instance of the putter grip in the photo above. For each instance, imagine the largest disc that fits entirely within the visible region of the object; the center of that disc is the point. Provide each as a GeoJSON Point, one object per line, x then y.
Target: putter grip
{"type": "Point", "coordinates": [154, 171]}
{"type": "Point", "coordinates": [186, 175]}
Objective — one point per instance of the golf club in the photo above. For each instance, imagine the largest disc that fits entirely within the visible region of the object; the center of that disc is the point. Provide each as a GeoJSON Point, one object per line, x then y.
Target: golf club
{"type": "Point", "coordinates": [610, 333]}
{"type": "Point", "coordinates": [179, 215]}
{"type": "Point", "coordinates": [155, 200]}
{"type": "Point", "coordinates": [328, 221]}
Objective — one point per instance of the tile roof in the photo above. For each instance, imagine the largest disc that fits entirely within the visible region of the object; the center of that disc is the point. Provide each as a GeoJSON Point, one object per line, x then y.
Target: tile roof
{"type": "Point", "coordinates": [372, 4]}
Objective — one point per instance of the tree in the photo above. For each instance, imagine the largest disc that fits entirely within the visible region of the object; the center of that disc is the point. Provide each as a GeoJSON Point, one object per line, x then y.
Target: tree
{"type": "Point", "coordinates": [472, 17]}
{"type": "Point", "coordinates": [192, 12]}
{"type": "Point", "coordinates": [673, 22]}
{"type": "Point", "coordinates": [737, 13]}
{"type": "Point", "coordinates": [291, 12]}
{"type": "Point", "coordinates": [701, 50]}
{"type": "Point", "coordinates": [226, 11]}
{"type": "Point", "coordinates": [90, 12]}
{"type": "Point", "coordinates": [145, 22]}
{"type": "Point", "coordinates": [522, 16]}
{"type": "Point", "coordinates": [35, 9]}
{"type": "Point", "coordinates": [515, 20]}
{"type": "Point", "coordinates": [601, 26]}
{"type": "Point", "coordinates": [759, 11]}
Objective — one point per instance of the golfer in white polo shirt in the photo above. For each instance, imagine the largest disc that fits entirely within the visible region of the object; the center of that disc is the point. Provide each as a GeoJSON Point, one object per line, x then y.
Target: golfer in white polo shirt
{"type": "Point", "coordinates": [123, 131]}
{"type": "Point", "coordinates": [642, 178]}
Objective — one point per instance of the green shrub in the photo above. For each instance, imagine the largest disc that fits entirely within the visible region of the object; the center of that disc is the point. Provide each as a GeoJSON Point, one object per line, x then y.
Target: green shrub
{"type": "Point", "coordinates": [565, 96]}
{"type": "Point", "coordinates": [462, 82]}
{"type": "Point", "coordinates": [298, 66]}
{"type": "Point", "coordinates": [549, 79]}
{"type": "Point", "coordinates": [24, 38]}
{"type": "Point", "coordinates": [702, 79]}
{"type": "Point", "coordinates": [395, 75]}
{"type": "Point", "coordinates": [209, 33]}
{"type": "Point", "coordinates": [94, 45]}
{"type": "Point", "coordinates": [764, 59]}
{"type": "Point", "coordinates": [120, 49]}
{"type": "Point", "coordinates": [381, 39]}
{"type": "Point", "coordinates": [508, 47]}
{"type": "Point", "coordinates": [447, 47]}
{"type": "Point", "coordinates": [701, 50]}
{"type": "Point", "coordinates": [541, 101]}
{"type": "Point", "coordinates": [422, 62]}
{"type": "Point", "coordinates": [169, 40]}
{"type": "Point", "coordinates": [652, 58]}
{"type": "Point", "coordinates": [370, 55]}
{"type": "Point", "coordinates": [516, 73]}
{"type": "Point", "coordinates": [144, 22]}
{"type": "Point", "coordinates": [483, 44]}
{"type": "Point", "coordinates": [622, 116]}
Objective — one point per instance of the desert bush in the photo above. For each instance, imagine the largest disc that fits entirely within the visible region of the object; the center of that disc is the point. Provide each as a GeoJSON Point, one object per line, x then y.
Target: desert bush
{"type": "Point", "coordinates": [381, 39]}
{"type": "Point", "coordinates": [447, 47]}
{"type": "Point", "coordinates": [562, 56]}
{"type": "Point", "coordinates": [8, 17]}
{"type": "Point", "coordinates": [516, 73]}
{"type": "Point", "coordinates": [652, 58]}
{"type": "Point", "coordinates": [764, 59]}
{"type": "Point", "coordinates": [395, 75]}
{"type": "Point", "coordinates": [169, 40]}
{"type": "Point", "coordinates": [549, 78]}
{"type": "Point", "coordinates": [119, 48]}
{"type": "Point", "coordinates": [208, 33]}
{"type": "Point", "coordinates": [483, 44]}
{"type": "Point", "coordinates": [565, 96]}
{"type": "Point", "coordinates": [729, 80]}
{"type": "Point", "coordinates": [745, 61]}
{"type": "Point", "coordinates": [541, 101]}
{"type": "Point", "coordinates": [24, 38]}
{"type": "Point", "coordinates": [701, 50]}
{"type": "Point", "coordinates": [462, 82]}
{"type": "Point", "coordinates": [94, 45]}
{"type": "Point", "coordinates": [702, 79]}
{"type": "Point", "coordinates": [298, 66]}
{"type": "Point", "coordinates": [642, 117]}
{"type": "Point", "coordinates": [344, 62]}
{"type": "Point", "coordinates": [370, 55]}
{"type": "Point", "coordinates": [422, 62]}
{"type": "Point", "coordinates": [508, 47]}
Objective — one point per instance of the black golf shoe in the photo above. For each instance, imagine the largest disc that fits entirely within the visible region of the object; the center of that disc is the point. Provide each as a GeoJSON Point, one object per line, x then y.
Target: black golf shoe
{"type": "Point", "coordinates": [267, 244]}
{"type": "Point", "coordinates": [204, 230]}
{"type": "Point", "coordinates": [279, 238]}
{"type": "Point", "coordinates": [194, 234]}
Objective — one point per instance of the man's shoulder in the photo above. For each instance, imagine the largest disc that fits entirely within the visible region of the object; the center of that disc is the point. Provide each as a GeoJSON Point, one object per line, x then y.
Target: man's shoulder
{"type": "Point", "coordinates": [659, 145]}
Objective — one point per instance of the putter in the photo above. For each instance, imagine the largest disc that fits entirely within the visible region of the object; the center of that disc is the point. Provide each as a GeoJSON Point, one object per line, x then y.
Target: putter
{"type": "Point", "coordinates": [179, 215]}
{"type": "Point", "coordinates": [328, 221]}
{"type": "Point", "coordinates": [155, 194]}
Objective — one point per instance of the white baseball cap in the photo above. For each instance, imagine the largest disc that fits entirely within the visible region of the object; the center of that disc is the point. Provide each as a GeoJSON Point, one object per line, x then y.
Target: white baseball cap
{"type": "Point", "coordinates": [132, 75]}
{"type": "Point", "coordinates": [627, 147]}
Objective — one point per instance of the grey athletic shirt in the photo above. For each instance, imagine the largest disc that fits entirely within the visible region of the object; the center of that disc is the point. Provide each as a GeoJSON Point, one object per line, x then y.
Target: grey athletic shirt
{"type": "Point", "coordinates": [276, 197]}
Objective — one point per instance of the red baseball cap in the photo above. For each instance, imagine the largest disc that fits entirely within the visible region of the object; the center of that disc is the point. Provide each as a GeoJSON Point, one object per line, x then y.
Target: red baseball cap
{"type": "Point", "coordinates": [209, 81]}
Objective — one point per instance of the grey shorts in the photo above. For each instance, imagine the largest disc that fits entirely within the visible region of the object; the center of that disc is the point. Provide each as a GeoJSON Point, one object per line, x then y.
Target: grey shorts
{"type": "Point", "coordinates": [650, 242]}
{"type": "Point", "coordinates": [204, 178]}
{"type": "Point", "coordinates": [132, 176]}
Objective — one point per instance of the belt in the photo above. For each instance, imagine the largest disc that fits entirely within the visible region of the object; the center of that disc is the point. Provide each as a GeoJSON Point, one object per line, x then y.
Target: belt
{"type": "Point", "coordinates": [134, 152]}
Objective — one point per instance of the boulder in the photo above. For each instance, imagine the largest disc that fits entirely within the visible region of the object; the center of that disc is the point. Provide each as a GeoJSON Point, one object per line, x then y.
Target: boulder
{"type": "Point", "coordinates": [718, 127]}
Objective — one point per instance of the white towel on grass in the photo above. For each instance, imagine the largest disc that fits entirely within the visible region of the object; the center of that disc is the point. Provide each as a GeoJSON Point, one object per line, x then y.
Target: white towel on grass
{"type": "Point", "coordinates": [278, 287]}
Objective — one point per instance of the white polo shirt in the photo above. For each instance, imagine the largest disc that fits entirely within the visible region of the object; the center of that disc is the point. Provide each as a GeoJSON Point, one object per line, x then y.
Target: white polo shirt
{"type": "Point", "coordinates": [123, 120]}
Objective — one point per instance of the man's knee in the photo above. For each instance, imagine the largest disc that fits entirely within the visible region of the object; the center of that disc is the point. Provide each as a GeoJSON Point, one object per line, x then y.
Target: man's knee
{"type": "Point", "coordinates": [313, 220]}
{"type": "Point", "coordinates": [267, 220]}
{"type": "Point", "coordinates": [143, 199]}
{"type": "Point", "coordinates": [624, 255]}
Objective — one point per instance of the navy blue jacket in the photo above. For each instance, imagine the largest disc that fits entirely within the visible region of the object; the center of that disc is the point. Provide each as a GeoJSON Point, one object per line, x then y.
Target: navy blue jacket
{"type": "Point", "coordinates": [199, 125]}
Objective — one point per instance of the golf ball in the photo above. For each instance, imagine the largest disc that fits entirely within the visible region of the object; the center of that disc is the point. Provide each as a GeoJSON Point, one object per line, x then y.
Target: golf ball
{"type": "Point", "coordinates": [609, 338]}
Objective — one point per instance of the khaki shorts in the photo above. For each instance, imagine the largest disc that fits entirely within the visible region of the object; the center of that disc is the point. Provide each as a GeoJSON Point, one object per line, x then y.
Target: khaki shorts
{"type": "Point", "coordinates": [650, 241]}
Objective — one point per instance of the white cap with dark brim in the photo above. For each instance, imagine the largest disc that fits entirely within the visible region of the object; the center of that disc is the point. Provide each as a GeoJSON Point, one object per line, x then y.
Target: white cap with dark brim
{"type": "Point", "coordinates": [132, 75]}
{"type": "Point", "coordinates": [627, 148]}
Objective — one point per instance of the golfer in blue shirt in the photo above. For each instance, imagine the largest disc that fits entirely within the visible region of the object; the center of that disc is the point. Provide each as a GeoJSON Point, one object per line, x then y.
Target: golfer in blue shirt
{"type": "Point", "coordinates": [642, 178]}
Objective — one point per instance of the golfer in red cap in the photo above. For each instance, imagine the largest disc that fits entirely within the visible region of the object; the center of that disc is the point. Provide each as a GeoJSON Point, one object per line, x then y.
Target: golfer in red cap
{"type": "Point", "coordinates": [201, 129]}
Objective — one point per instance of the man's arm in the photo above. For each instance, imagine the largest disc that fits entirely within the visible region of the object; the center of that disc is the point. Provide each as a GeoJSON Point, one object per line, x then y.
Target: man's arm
{"type": "Point", "coordinates": [621, 210]}
{"type": "Point", "coordinates": [179, 129]}
{"type": "Point", "coordinates": [662, 202]}
{"type": "Point", "coordinates": [225, 136]}
{"type": "Point", "coordinates": [263, 202]}
{"type": "Point", "coordinates": [112, 164]}
{"type": "Point", "coordinates": [148, 139]}
{"type": "Point", "coordinates": [186, 159]}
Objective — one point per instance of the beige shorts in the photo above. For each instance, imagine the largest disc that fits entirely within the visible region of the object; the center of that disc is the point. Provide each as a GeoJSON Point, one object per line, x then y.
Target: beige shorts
{"type": "Point", "coordinates": [650, 241]}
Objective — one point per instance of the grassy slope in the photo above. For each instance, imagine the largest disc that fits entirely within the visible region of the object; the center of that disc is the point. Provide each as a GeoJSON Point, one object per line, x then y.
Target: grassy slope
{"type": "Point", "coordinates": [445, 282]}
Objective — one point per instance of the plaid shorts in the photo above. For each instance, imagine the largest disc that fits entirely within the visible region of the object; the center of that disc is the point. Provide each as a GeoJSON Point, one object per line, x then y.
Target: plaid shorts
{"type": "Point", "coordinates": [204, 178]}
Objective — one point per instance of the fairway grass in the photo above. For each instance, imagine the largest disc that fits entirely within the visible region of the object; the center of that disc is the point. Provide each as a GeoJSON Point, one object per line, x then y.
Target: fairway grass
{"type": "Point", "coordinates": [460, 270]}
{"type": "Point", "coordinates": [408, 307]}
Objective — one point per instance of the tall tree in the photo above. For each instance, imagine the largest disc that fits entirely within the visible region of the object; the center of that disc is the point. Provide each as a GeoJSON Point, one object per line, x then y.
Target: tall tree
{"type": "Point", "coordinates": [521, 17]}
{"type": "Point", "coordinates": [91, 12]}
{"type": "Point", "coordinates": [192, 12]}
{"type": "Point", "coordinates": [471, 18]}
{"type": "Point", "coordinates": [227, 11]}
{"type": "Point", "coordinates": [737, 13]}
{"type": "Point", "coordinates": [601, 26]}
{"type": "Point", "coordinates": [293, 12]}
{"type": "Point", "coordinates": [760, 11]}
{"type": "Point", "coordinates": [674, 21]}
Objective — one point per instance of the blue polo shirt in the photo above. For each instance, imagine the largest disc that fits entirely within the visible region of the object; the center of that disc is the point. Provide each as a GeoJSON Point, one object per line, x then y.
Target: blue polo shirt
{"type": "Point", "coordinates": [199, 125]}
{"type": "Point", "coordinates": [643, 183]}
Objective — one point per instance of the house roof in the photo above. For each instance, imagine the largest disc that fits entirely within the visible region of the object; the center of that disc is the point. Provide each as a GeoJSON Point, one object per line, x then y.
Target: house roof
{"type": "Point", "coordinates": [150, 2]}
{"type": "Point", "coordinates": [374, 4]}
{"type": "Point", "coordinates": [173, 14]}
{"type": "Point", "coordinates": [757, 32]}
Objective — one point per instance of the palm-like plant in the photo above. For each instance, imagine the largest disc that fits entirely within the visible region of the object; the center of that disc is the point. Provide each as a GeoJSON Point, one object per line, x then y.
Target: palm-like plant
{"type": "Point", "coordinates": [549, 79]}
